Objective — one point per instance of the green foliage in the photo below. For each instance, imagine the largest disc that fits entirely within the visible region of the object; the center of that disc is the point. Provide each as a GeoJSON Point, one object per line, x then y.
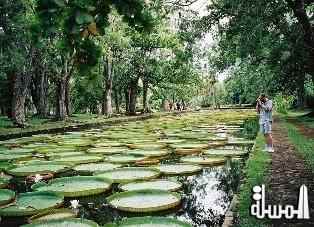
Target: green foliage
{"type": "Point", "coordinates": [283, 103]}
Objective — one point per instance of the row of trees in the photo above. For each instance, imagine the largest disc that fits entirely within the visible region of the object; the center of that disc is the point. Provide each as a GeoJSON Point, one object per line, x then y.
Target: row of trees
{"type": "Point", "coordinates": [267, 45]}
{"type": "Point", "coordinates": [60, 56]}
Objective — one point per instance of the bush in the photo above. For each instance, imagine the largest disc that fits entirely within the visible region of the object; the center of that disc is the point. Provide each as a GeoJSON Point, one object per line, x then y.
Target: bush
{"type": "Point", "coordinates": [283, 103]}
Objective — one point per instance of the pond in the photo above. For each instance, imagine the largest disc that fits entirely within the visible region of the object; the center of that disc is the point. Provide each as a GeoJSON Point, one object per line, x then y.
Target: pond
{"type": "Point", "coordinates": [186, 167]}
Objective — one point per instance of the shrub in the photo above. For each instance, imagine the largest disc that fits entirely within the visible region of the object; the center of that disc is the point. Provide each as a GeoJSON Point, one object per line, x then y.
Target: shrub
{"type": "Point", "coordinates": [283, 103]}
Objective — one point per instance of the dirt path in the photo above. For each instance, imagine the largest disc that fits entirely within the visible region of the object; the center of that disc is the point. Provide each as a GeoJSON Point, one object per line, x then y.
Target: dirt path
{"type": "Point", "coordinates": [288, 173]}
{"type": "Point", "coordinates": [306, 131]}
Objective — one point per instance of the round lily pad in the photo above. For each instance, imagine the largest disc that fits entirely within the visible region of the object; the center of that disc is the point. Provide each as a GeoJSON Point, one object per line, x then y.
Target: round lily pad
{"type": "Point", "coordinates": [14, 156]}
{"type": "Point", "coordinates": [63, 154]}
{"type": "Point", "coordinates": [6, 196]}
{"type": "Point", "coordinates": [79, 159]}
{"type": "Point", "coordinates": [54, 214]}
{"type": "Point", "coordinates": [203, 160]}
{"type": "Point", "coordinates": [75, 186]}
{"type": "Point", "coordinates": [4, 180]}
{"type": "Point", "coordinates": [37, 168]}
{"type": "Point", "coordinates": [148, 221]}
{"type": "Point", "coordinates": [170, 141]}
{"type": "Point", "coordinates": [144, 200]}
{"type": "Point", "coordinates": [241, 142]}
{"type": "Point", "coordinates": [226, 152]}
{"type": "Point", "coordinates": [128, 174]}
{"type": "Point", "coordinates": [146, 146]}
{"type": "Point", "coordinates": [108, 144]}
{"type": "Point", "coordinates": [148, 153]}
{"type": "Point", "coordinates": [178, 169]}
{"type": "Point", "coordinates": [106, 150]}
{"type": "Point", "coordinates": [5, 165]}
{"type": "Point", "coordinates": [96, 167]}
{"type": "Point", "coordinates": [31, 203]}
{"type": "Point", "coordinates": [123, 158]}
{"type": "Point", "coordinates": [161, 184]}
{"type": "Point", "coordinates": [196, 146]}
{"type": "Point", "coordinates": [68, 222]}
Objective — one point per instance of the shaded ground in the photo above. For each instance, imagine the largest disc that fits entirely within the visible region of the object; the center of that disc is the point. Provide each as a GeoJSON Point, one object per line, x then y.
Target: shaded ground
{"type": "Point", "coordinates": [288, 172]}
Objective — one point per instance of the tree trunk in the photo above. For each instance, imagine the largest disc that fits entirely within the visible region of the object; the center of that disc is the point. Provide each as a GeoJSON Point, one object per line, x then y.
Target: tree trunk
{"type": "Point", "coordinates": [67, 96]}
{"type": "Point", "coordinates": [301, 91]}
{"type": "Point", "coordinates": [117, 100]}
{"type": "Point", "coordinates": [107, 100]}
{"type": "Point", "coordinates": [40, 93]}
{"type": "Point", "coordinates": [127, 99]}
{"type": "Point", "coordinates": [145, 100]}
{"type": "Point", "coordinates": [132, 96]}
{"type": "Point", "coordinates": [20, 85]}
{"type": "Point", "coordinates": [61, 113]}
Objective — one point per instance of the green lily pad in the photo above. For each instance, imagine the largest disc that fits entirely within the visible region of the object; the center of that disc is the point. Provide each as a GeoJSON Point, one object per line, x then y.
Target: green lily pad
{"type": "Point", "coordinates": [144, 200]}
{"type": "Point", "coordinates": [128, 174]}
{"type": "Point", "coordinates": [15, 156]}
{"type": "Point", "coordinates": [108, 144]}
{"type": "Point", "coordinates": [17, 151]}
{"type": "Point", "coordinates": [203, 160]}
{"type": "Point", "coordinates": [106, 150]}
{"type": "Point", "coordinates": [36, 168]}
{"type": "Point", "coordinates": [241, 142]}
{"type": "Point", "coordinates": [5, 165]}
{"type": "Point", "coordinates": [123, 158]}
{"type": "Point", "coordinates": [170, 141]}
{"type": "Point", "coordinates": [148, 153]}
{"type": "Point", "coordinates": [161, 184]}
{"type": "Point", "coordinates": [146, 146]}
{"type": "Point", "coordinates": [63, 154]}
{"type": "Point", "coordinates": [4, 180]}
{"type": "Point", "coordinates": [96, 167]}
{"type": "Point", "coordinates": [6, 196]}
{"type": "Point", "coordinates": [68, 222]}
{"type": "Point", "coordinates": [148, 221]}
{"type": "Point", "coordinates": [198, 146]}
{"type": "Point", "coordinates": [225, 152]}
{"type": "Point", "coordinates": [31, 203]}
{"type": "Point", "coordinates": [178, 169]}
{"type": "Point", "coordinates": [79, 159]}
{"type": "Point", "coordinates": [55, 149]}
{"type": "Point", "coordinates": [75, 186]}
{"type": "Point", "coordinates": [54, 214]}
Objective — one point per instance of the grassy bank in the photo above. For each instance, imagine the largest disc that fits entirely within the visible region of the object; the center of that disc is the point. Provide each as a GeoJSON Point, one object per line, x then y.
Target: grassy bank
{"type": "Point", "coordinates": [256, 174]}
{"type": "Point", "coordinates": [303, 145]}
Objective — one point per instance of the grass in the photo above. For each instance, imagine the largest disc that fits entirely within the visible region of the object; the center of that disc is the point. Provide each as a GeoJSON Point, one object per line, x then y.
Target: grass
{"type": "Point", "coordinates": [256, 170]}
{"type": "Point", "coordinates": [303, 145]}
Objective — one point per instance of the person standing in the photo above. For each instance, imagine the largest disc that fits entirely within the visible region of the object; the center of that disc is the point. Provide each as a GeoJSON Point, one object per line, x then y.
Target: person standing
{"type": "Point", "coordinates": [264, 107]}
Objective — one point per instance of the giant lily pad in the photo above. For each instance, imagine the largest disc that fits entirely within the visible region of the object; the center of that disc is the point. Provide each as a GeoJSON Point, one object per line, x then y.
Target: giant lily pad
{"type": "Point", "coordinates": [54, 214]}
{"type": "Point", "coordinates": [14, 156]}
{"type": "Point", "coordinates": [144, 200]}
{"type": "Point", "coordinates": [68, 222]}
{"type": "Point", "coordinates": [96, 167]}
{"type": "Point", "coordinates": [106, 150]}
{"type": "Point", "coordinates": [123, 158]}
{"type": "Point", "coordinates": [148, 153]}
{"type": "Point", "coordinates": [36, 168]}
{"type": "Point", "coordinates": [161, 184]}
{"type": "Point", "coordinates": [63, 154]}
{"type": "Point", "coordinates": [4, 180]}
{"type": "Point", "coordinates": [195, 146]}
{"type": "Point", "coordinates": [146, 146]}
{"type": "Point", "coordinates": [149, 222]}
{"type": "Point", "coordinates": [79, 159]}
{"type": "Point", "coordinates": [241, 142]}
{"type": "Point", "coordinates": [226, 152]}
{"type": "Point", "coordinates": [178, 169]}
{"type": "Point", "coordinates": [6, 196]}
{"type": "Point", "coordinates": [108, 144]}
{"type": "Point", "coordinates": [203, 160]}
{"type": "Point", "coordinates": [128, 174]}
{"type": "Point", "coordinates": [75, 186]}
{"type": "Point", "coordinates": [31, 203]}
